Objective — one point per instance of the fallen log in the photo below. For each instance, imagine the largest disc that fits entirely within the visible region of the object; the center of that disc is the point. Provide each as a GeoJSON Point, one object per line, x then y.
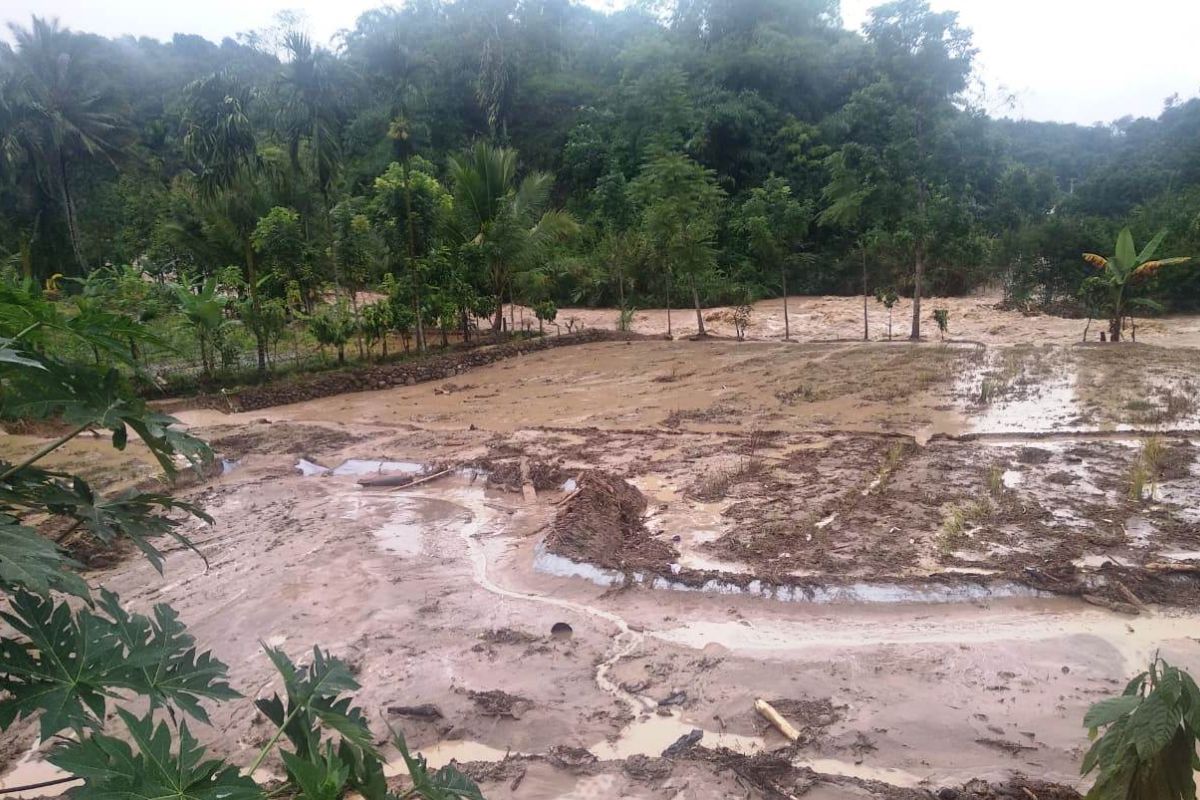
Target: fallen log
{"type": "Point", "coordinates": [426, 478]}
{"type": "Point", "coordinates": [775, 718]}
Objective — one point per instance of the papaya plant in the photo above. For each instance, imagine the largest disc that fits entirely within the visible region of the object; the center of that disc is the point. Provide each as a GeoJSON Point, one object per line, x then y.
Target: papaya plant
{"type": "Point", "coordinates": [1123, 271]}
{"type": "Point", "coordinates": [67, 664]}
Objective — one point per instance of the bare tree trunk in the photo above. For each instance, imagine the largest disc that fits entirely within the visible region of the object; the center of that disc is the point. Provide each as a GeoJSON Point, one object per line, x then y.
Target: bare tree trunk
{"type": "Point", "coordinates": [252, 283]}
{"type": "Point", "coordinates": [866, 324]}
{"type": "Point", "coordinates": [699, 315]}
{"type": "Point", "coordinates": [919, 276]}
{"type": "Point", "coordinates": [787, 331]}
{"type": "Point", "coordinates": [358, 335]}
{"type": "Point", "coordinates": [412, 260]}
{"type": "Point", "coordinates": [69, 210]}
{"type": "Point", "coordinates": [669, 304]}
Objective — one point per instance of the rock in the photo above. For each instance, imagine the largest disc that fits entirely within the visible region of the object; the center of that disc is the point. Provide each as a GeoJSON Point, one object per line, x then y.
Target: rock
{"type": "Point", "coordinates": [423, 711]}
{"type": "Point", "coordinates": [684, 743]}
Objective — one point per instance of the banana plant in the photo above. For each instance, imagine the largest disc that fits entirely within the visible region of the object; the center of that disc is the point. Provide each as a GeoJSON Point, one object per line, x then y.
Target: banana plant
{"type": "Point", "coordinates": [1121, 272]}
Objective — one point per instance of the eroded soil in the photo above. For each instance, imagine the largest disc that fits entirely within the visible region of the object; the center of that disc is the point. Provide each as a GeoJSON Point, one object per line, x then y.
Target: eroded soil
{"type": "Point", "coordinates": [930, 558]}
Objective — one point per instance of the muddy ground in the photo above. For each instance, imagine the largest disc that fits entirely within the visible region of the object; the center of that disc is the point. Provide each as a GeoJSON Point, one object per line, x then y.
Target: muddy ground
{"type": "Point", "coordinates": [930, 558]}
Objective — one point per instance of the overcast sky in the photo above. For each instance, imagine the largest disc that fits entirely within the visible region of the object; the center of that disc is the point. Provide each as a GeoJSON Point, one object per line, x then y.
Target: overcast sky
{"type": "Point", "coordinates": [1067, 60]}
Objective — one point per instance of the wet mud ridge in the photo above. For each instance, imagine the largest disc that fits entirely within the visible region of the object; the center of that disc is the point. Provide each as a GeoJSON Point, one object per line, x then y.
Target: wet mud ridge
{"type": "Point", "coordinates": [438, 367]}
{"type": "Point", "coordinates": [599, 532]}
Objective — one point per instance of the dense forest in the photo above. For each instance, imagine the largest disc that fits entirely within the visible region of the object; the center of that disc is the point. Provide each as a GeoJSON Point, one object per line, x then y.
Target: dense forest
{"type": "Point", "coordinates": [457, 154]}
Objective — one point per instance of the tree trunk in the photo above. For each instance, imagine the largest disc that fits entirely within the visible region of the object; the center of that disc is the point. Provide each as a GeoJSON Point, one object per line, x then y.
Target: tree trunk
{"type": "Point", "coordinates": [512, 309]}
{"type": "Point", "coordinates": [412, 259]}
{"type": "Point", "coordinates": [669, 304]}
{"type": "Point", "coordinates": [252, 282]}
{"type": "Point", "coordinates": [358, 334]}
{"type": "Point", "coordinates": [919, 276]}
{"type": "Point", "coordinates": [787, 331]}
{"type": "Point", "coordinates": [1114, 329]}
{"type": "Point", "coordinates": [69, 211]}
{"type": "Point", "coordinates": [699, 314]}
{"type": "Point", "coordinates": [866, 324]}
{"type": "Point", "coordinates": [341, 354]}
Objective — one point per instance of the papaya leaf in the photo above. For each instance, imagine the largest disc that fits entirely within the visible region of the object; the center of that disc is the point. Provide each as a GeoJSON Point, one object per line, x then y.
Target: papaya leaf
{"type": "Point", "coordinates": [162, 659]}
{"type": "Point", "coordinates": [111, 769]}
{"type": "Point", "coordinates": [63, 665]}
{"type": "Point", "coordinates": [32, 562]}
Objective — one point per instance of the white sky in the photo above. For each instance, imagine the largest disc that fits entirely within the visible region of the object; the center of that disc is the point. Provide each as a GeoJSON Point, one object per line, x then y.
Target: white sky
{"type": "Point", "coordinates": [1068, 60]}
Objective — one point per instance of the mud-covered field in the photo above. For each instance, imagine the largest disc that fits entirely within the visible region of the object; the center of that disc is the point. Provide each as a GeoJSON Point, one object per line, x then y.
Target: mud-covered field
{"type": "Point", "coordinates": [930, 558]}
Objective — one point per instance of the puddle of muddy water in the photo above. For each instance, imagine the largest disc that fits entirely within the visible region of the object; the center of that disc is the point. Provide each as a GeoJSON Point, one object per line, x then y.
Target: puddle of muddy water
{"type": "Point", "coordinates": [853, 593]}
{"type": "Point", "coordinates": [358, 466]}
{"type": "Point", "coordinates": [1044, 621]}
{"type": "Point", "coordinates": [33, 769]}
{"type": "Point", "coordinates": [308, 468]}
{"type": "Point", "coordinates": [651, 735]}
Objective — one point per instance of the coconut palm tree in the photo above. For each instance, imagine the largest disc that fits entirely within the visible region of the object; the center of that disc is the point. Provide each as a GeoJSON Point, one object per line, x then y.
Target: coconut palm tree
{"type": "Point", "coordinates": [508, 221]}
{"type": "Point", "coordinates": [61, 117]}
{"type": "Point", "coordinates": [1122, 271]}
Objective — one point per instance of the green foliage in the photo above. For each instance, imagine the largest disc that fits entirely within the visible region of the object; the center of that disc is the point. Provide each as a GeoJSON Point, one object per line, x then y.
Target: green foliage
{"type": "Point", "coordinates": [66, 664]}
{"type": "Point", "coordinates": [1121, 273]}
{"type": "Point", "coordinates": [1148, 746]}
{"type": "Point", "coordinates": [333, 326]}
{"type": "Point", "coordinates": [942, 317]}
{"type": "Point", "coordinates": [111, 768]}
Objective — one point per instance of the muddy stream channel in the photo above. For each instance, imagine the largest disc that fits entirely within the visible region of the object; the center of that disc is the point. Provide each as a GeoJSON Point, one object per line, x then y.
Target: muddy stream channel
{"type": "Point", "coordinates": [864, 616]}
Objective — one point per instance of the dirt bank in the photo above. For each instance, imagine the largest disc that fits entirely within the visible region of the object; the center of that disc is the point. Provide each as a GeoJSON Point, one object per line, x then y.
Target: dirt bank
{"type": "Point", "coordinates": [435, 367]}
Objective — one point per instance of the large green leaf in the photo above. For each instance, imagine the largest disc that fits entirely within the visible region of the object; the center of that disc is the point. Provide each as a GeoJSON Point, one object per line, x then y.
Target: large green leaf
{"type": "Point", "coordinates": [313, 696]}
{"type": "Point", "coordinates": [112, 770]}
{"type": "Point", "coordinates": [139, 516]}
{"type": "Point", "coordinates": [32, 562]}
{"type": "Point", "coordinates": [321, 778]}
{"type": "Point", "coordinates": [1126, 255]}
{"type": "Point", "coordinates": [162, 661]}
{"type": "Point", "coordinates": [1153, 725]}
{"type": "Point", "coordinates": [64, 664]}
{"type": "Point", "coordinates": [1151, 246]}
{"type": "Point", "coordinates": [10, 355]}
{"type": "Point", "coordinates": [1109, 711]}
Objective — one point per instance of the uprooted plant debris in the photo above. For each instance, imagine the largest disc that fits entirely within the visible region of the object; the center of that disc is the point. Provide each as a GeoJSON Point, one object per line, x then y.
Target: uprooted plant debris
{"type": "Point", "coordinates": [602, 524]}
{"type": "Point", "coordinates": [498, 703]}
{"type": "Point", "coordinates": [507, 474]}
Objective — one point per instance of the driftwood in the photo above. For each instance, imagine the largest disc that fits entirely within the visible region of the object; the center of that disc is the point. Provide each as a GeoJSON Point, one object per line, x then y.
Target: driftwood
{"type": "Point", "coordinates": [775, 718]}
{"type": "Point", "coordinates": [1111, 605]}
{"type": "Point", "coordinates": [426, 478]}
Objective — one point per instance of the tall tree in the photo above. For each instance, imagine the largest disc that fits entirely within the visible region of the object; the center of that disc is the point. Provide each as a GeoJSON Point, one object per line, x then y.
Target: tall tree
{"type": "Point", "coordinates": [924, 60]}
{"type": "Point", "coordinates": [507, 220]}
{"type": "Point", "coordinates": [680, 201]}
{"type": "Point", "coordinates": [773, 223]}
{"type": "Point", "coordinates": [61, 115]}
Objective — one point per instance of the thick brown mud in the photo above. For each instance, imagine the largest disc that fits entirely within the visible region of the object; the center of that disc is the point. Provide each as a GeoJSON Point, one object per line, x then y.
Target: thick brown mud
{"type": "Point", "coordinates": [891, 542]}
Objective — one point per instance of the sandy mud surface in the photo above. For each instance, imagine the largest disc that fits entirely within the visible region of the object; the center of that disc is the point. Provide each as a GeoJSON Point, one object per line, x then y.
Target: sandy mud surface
{"type": "Point", "coordinates": [931, 559]}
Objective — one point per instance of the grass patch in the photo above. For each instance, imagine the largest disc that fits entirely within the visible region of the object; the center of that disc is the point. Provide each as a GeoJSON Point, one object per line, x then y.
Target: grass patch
{"type": "Point", "coordinates": [715, 484]}
{"type": "Point", "coordinates": [957, 521]}
{"type": "Point", "coordinates": [1145, 470]}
